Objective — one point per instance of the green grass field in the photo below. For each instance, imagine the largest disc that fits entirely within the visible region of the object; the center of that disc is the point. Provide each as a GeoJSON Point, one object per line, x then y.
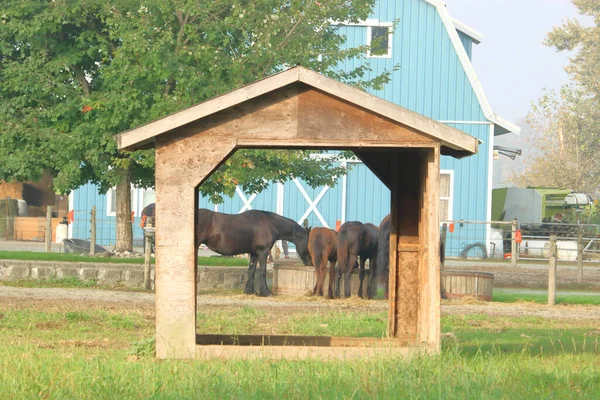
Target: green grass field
{"type": "Point", "coordinates": [38, 256]}
{"type": "Point", "coordinates": [69, 351]}
{"type": "Point", "coordinates": [505, 297]}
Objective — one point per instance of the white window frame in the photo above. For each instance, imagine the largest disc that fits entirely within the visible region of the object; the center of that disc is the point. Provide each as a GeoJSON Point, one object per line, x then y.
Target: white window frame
{"type": "Point", "coordinates": [387, 25]}
{"type": "Point", "coordinates": [135, 198]}
{"type": "Point", "coordinates": [450, 198]}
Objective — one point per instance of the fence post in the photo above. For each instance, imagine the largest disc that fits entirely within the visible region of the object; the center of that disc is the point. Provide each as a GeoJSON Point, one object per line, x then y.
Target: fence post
{"type": "Point", "coordinates": [148, 239]}
{"type": "Point", "coordinates": [552, 270]}
{"type": "Point", "coordinates": [580, 255]}
{"type": "Point", "coordinates": [48, 233]}
{"type": "Point", "coordinates": [443, 247]}
{"type": "Point", "coordinates": [93, 231]}
{"type": "Point", "coordinates": [513, 244]}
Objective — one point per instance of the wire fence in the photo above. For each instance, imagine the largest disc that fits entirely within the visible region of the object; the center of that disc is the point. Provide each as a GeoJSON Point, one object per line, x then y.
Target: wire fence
{"type": "Point", "coordinates": [467, 240]}
{"type": "Point", "coordinates": [511, 240]}
{"type": "Point", "coordinates": [48, 233]}
{"type": "Point", "coordinates": [478, 240]}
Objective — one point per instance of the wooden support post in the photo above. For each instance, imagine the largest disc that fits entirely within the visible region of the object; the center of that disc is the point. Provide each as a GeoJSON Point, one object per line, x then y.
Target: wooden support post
{"type": "Point", "coordinates": [180, 166]}
{"type": "Point", "coordinates": [513, 245]}
{"type": "Point", "coordinates": [429, 307]}
{"type": "Point", "coordinates": [443, 247]}
{"type": "Point", "coordinates": [580, 256]}
{"type": "Point", "coordinates": [414, 280]}
{"type": "Point", "coordinates": [552, 270]}
{"type": "Point", "coordinates": [147, 259]}
{"type": "Point", "coordinates": [93, 231]}
{"type": "Point", "coordinates": [48, 234]}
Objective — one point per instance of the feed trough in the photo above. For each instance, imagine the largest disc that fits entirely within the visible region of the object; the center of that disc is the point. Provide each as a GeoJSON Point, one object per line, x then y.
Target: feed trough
{"type": "Point", "coordinates": [459, 284]}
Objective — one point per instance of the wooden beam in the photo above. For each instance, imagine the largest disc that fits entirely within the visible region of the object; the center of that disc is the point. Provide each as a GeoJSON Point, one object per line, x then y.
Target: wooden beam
{"type": "Point", "coordinates": [450, 137]}
{"type": "Point", "coordinates": [129, 140]}
{"type": "Point", "coordinates": [295, 340]}
{"type": "Point", "coordinates": [357, 104]}
{"type": "Point", "coordinates": [228, 352]}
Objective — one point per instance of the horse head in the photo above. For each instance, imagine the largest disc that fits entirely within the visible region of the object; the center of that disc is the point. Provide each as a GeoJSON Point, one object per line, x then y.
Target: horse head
{"type": "Point", "coordinates": [302, 245]}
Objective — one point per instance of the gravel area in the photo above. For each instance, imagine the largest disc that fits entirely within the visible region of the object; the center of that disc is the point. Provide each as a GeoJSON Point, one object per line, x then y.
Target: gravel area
{"type": "Point", "coordinates": [110, 298]}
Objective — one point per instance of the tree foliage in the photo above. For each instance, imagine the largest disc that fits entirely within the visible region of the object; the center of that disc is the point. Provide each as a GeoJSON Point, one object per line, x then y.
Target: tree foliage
{"type": "Point", "coordinates": [567, 141]}
{"type": "Point", "coordinates": [75, 72]}
{"type": "Point", "coordinates": [564, 149]}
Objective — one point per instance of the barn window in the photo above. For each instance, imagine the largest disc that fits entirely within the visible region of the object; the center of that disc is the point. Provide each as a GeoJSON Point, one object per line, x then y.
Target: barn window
{"type": "Point", "coordinates": [379, 38]}
{"type": "Point", "coordinates": [446, 194]}
{"type": "Point", "coordinates": [111, 202]}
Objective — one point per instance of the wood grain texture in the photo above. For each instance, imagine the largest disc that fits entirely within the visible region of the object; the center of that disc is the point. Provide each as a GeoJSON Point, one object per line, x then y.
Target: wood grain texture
{"type": "Point", "coordinates": [323, 117]}
{"type": "Point", "coordinates": [180, 166]}
{"type": "Point", "coordinates": [296, 340]}
{"type": "Point", "coordinates": [429, 238]}
{"type": "Point", "coordinates": [228, 352]}
{"type": "Point", "coordinates": [406, 210]}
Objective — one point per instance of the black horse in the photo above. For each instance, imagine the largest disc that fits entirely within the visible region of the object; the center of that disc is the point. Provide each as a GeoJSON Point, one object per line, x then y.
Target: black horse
{"type": "Point", "coordinates": [383, 255]}
{"type": "Point", "coordinates": [354, 240]}
{"type": "Point", "coordinates": [369, 251]}
{"type": "Point", "coordinates": [252, 232]}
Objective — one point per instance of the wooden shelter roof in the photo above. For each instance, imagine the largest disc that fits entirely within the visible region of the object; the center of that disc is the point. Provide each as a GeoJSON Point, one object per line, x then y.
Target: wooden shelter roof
{"type": "Point", "coordinates": [453, 142]}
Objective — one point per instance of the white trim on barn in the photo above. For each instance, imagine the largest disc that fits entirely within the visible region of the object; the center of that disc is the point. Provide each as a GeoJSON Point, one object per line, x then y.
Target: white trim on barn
{"type": "Point", "coordinates": [450, 197]}
{"type": "Point", "coordinates": [467, 30]}
{"type": "Point", "coordinates": [312, 204]}
{"type": "Point", "coordinates": [451, 28]}
{"type": "Point", "coordinates": [344, 192]}
{"type": "Point", "coordinates": [466, 122]}
{"type": "Point", "coordinates": [71, 207]}
{"type": "Point", "coordinates": [490, 178]}
{"type": "Point", "coordinates": [280, 198]}
{"type": "Point", "coordinates": [390, 34]}
{"type": "Point", "coordinates": [247, 201]}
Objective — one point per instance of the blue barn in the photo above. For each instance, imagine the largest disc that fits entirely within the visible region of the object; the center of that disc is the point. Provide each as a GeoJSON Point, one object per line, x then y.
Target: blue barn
{"type": "Point", "coordinates": [434, 77]}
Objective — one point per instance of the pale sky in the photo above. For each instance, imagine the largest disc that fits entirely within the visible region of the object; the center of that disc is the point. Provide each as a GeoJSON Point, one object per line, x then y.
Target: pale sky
{"type": "Point", "coordinates": [511, 62]}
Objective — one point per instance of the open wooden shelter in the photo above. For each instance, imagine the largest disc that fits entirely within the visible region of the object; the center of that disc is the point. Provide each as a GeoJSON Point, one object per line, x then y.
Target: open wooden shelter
{"type": "Point", "coordinates": [295, 109]}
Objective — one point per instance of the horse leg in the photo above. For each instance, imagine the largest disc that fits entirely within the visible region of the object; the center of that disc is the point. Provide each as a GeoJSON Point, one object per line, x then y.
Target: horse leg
{"type": "Point", "coordinates": [332, 272]}
{"type": "Point", "coordinates": [348, 275]}
{"type": "Point", "coordinates": [263, 289]}
{"type": "Point", "coordinates": [321, 275]}
{"type": "Point", "coordinates": [372, 288]}
{"type": "Point", "coordinates": [338, 281]}
{"type": "Point", "coordinates": [362, 277]}
{"type": "Point", "coordinates": [251, 269]}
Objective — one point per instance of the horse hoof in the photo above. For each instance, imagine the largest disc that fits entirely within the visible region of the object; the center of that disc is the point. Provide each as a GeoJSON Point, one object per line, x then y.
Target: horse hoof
{"type": "Point", "coordinates": [264, 293]}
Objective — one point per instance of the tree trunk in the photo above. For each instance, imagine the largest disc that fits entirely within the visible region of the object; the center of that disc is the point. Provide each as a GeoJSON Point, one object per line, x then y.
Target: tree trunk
{"type": "Point", "coordinates": [124, 225]}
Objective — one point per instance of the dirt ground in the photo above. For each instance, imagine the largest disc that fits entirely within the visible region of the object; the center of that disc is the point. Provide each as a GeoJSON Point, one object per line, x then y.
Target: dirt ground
{"type": "Point", "coordinates": [68, 299]}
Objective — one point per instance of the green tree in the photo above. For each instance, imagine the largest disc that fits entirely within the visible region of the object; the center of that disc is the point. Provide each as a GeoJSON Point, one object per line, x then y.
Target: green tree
{"type": "Point", "coordinates": [75, 72]}
{"type": "Point", "coordinates": [567, 135]}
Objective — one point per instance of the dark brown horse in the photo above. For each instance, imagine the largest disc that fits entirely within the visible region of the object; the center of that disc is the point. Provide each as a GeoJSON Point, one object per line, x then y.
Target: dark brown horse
{"type": "Point", "coordinates": [383, 256]}
{"type": "Point", "coordinates": [322, 246]}
{"type": "Point", "coordinates": [252, 232]}
{"type": "Point", "coordinates": [354, 240]}
{"type": "Point", "coordinates": [369, 252]}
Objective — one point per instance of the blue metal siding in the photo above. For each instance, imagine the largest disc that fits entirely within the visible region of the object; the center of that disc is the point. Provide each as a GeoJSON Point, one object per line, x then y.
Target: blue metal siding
{"type": "Point", "coordinates": [430, 80]}
{"type": "Point", "coordinates": [368, 200]}
{"type": "Point", "coordinates": [467, 43]}
{"type": "Point", "coordinates": [84, 199]}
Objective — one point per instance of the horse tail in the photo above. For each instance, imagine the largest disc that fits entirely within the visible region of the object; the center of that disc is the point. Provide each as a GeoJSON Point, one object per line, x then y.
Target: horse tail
{"type": "Point", "coordinates": [343, 251]}
{"type": "Point", "coordinates": [316, 249]}
{"type": "Point", "coordinates": [442, 251]}
{"type": "Point", "coordinates": [383, 251]}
